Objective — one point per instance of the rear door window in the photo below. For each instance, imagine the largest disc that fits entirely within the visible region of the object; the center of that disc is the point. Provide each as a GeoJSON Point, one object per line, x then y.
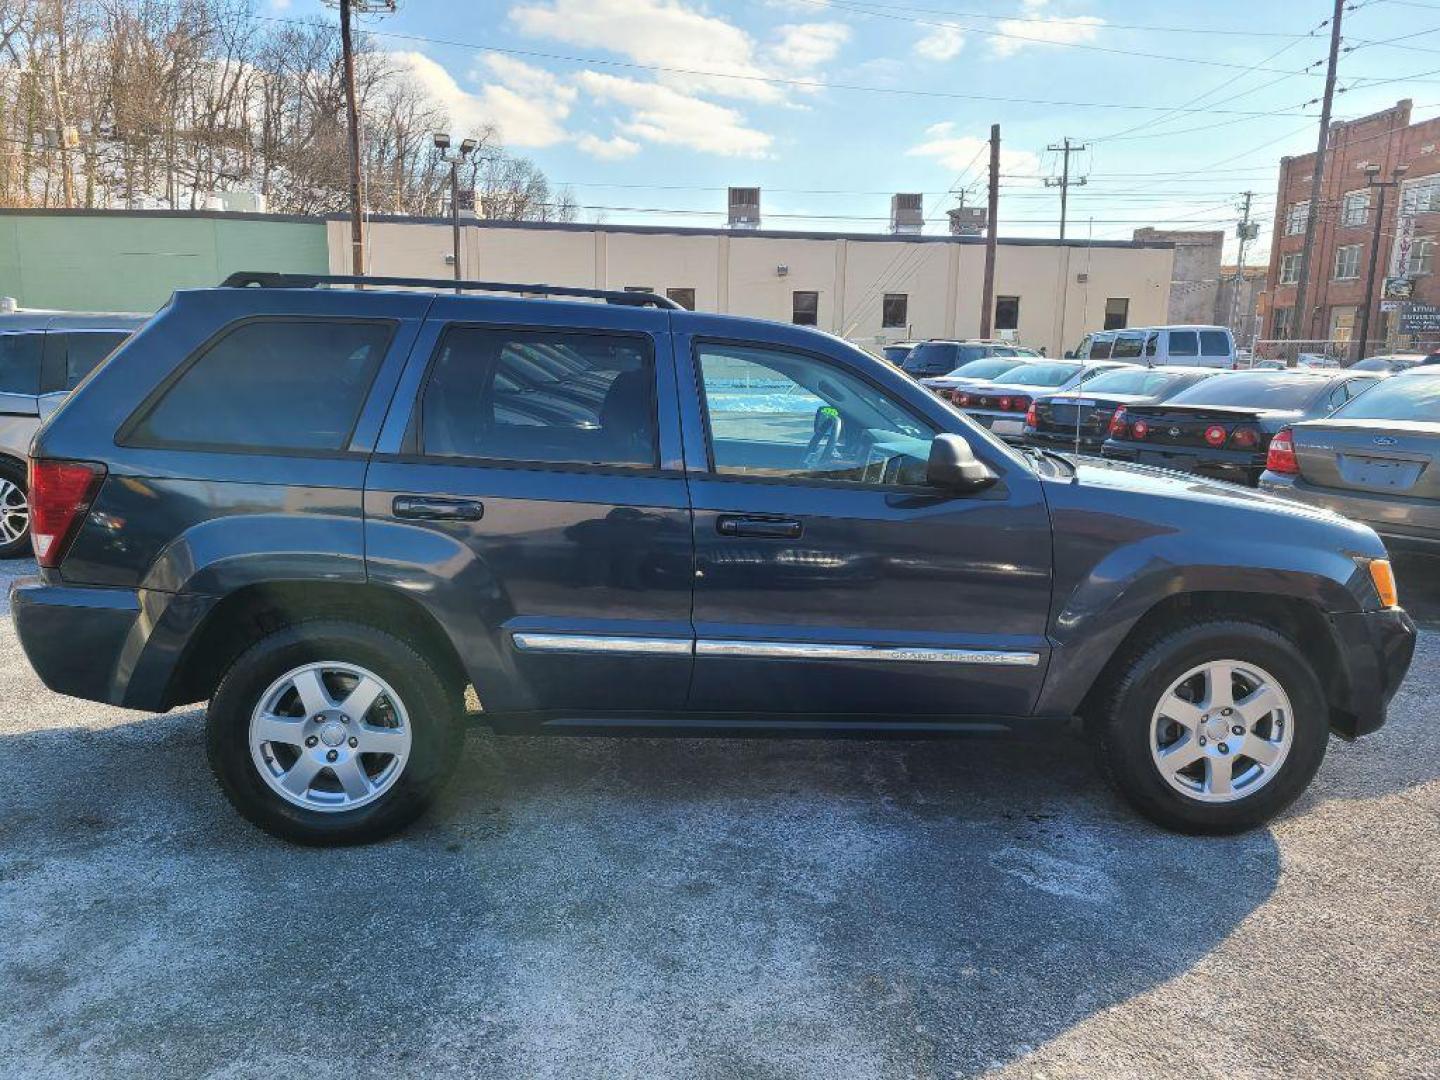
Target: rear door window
{"type": "Point", "coordinates": [1214, 343]}
{"type": "Point", "coordinates": [270, 385]}
{"type": "Point", "coordinates": [20, 362]}
{"type": "Point", "coordinates": [564, 397]}
{"type": "Point", "coordinates": [1184, 343]}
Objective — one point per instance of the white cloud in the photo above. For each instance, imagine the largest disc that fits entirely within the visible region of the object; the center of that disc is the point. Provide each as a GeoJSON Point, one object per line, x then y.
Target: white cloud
{"type": "Point", "coordinates": [465, 109]}
{"type": "Point", "coordinates": [660, 32]}
{"type": "Point", "coordinates": [961, 152]}
{"type": "Point", "coordinates": [611, 149]}
{"type": "Point", "coordinates": [941, 42]}
{"type": "Point", "coordinates": [526, 104]}
{"type": "Point", "coordinates": [808, 45]}
{"type": "Point", "coordinates": [1050, 30]}
{"type": "Point", "coordinates": [663, 114]}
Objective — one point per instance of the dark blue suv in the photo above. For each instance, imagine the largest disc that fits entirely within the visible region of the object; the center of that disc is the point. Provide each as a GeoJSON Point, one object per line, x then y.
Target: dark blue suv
{"type": "Point", "coordinates": [331, 512]}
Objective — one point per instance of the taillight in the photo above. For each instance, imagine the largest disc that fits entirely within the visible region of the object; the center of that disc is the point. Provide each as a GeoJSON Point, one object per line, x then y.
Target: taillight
{"type": "Point", "coordinates": [963, 400]}
{"type": "Point", "coordinates": [1140, 429]}
{"type": "Point", "coordinates": [1032, 416]}
{"type": "Point", "coordinates": [1003, 404]}
{"type": "Point", "coordinates": [1020, 403]}
{"type": "Point", "coordinates": [60, 496]}
{"type": "Point", "coordinates": [1216, 435]}
{"type": "Point", "coordinates": [1119, 428]}
{"type": "Point", "coordinates": [1281, 458]}
{"type": "Point", "coordinates": [1245, 438]}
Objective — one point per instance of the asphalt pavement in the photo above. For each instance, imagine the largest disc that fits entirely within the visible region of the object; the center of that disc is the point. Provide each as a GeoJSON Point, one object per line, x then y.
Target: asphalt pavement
{"type": "Point", "coordinates": [714, 909]}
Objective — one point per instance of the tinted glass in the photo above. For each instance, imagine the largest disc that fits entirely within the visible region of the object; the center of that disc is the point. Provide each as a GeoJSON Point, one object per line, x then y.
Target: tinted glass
{"type": "Point", "coordinates": [20, 362]}
{"type": "Point", "coordinates": [278, 384]}
{"type": "Point", "coordinates": [1100, 348]}
{"type": "Point", "coordinates": [1121, 381]}
{"type": "Point", "coordinates": [1214, 343]}
{"type": "Point", "coordinates": [1127, 346]}
{"type": "Point", "coordinates": [776, 413]}
{"type": "Point", "coordinates": [84, 351]}
{"type": "Point", "coordinates": [515, 395]}
{"type": "Point", "coordinates": [989, 368]}
{"type": "Point", "coordinates": [1258, 390]}
{"type": "Point", "coordinates": [1042, 375]}
{"type": "Point", "coordinates": [1184, 343]}
{"type": "Point", "coordinates": [1414, 397]}
{"type": "Point", "coordinates": [934, 357]}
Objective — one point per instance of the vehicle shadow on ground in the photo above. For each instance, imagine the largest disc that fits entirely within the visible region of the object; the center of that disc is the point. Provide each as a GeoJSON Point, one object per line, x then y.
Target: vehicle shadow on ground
{"type": "Point", "coordinates": [588, 907]}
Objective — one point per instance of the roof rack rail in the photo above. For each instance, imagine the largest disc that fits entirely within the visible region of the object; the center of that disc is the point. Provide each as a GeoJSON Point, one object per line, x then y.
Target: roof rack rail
{"type": "Point", "coordinates": [264, 279]}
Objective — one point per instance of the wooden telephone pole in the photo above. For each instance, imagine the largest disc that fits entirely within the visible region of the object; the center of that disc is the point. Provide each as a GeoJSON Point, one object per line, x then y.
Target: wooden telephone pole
{"type": "Point", "coordinates": [1301, 320]}
{"type": "Point", "coordinates": [987, 297]}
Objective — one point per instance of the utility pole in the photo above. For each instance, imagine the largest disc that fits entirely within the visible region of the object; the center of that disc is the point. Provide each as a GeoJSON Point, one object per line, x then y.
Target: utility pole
{"type": "Point", "coordinates": [357, 223]}
{"type": "Point", "coordinates": [1371, 172]}
{"type": "Point", "coordinates": [1063, 181]}
{"type": "Point", "coordinates": [987, 297]}
{"type": "Point", "coordinates": [1245, 232]}
{"type": "Point", "coordinates": [1301, 321]}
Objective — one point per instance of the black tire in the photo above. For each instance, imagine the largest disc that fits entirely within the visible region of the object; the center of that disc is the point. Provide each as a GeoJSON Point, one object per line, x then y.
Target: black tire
{"type": "Point", "coordinates": [436, 715]}
{"type": "Point", "coordinates": [1121, 725]}
{"type": "Point", "coordinates": [20, 546]}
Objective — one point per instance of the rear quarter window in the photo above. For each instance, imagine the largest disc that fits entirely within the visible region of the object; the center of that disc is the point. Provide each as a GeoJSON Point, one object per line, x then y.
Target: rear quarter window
{"type": "Point", "coordinates": [84, 349]}
{"type": "Point", "coordinates": [20, 356]}
{"type": "Point", "coordinates": [269, 385]}
{"type": "Point", "coordinates": [1214, 343]}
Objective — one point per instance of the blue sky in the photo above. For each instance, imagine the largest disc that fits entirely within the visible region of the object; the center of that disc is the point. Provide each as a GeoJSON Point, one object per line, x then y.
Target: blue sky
{"type": "Point", "coordinates": [578, 86]}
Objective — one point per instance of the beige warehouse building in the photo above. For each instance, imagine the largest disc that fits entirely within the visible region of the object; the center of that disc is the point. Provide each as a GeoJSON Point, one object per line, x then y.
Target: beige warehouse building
{"type": "Point", "coordinates": [869, 288]}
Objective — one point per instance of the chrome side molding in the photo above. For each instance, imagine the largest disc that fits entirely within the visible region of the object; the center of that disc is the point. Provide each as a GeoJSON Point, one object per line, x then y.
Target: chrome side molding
{"type": "Point", "coordinates": [791, 650]}
{"type": "Point", "coordinates": [598, 643]}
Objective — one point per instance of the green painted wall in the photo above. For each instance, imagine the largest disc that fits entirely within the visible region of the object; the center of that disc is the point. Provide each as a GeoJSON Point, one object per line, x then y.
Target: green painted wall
{"type": "Point", "coordinates": [133, 262]}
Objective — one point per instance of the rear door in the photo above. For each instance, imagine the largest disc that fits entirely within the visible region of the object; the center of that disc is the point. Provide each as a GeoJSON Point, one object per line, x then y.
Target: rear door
{"type": "Point", "coordinates": [528, 485]}
{"type": "Point", "coordinates": [829, 579]}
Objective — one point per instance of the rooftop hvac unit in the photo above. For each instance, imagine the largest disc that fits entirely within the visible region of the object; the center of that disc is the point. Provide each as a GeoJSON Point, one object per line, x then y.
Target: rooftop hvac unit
{"type": "Point", "coordinates": [907, 214]}
{"type": "Point", "coordinates": [744, 208]}
{"type": "Point", "coordinates": [967, 221]}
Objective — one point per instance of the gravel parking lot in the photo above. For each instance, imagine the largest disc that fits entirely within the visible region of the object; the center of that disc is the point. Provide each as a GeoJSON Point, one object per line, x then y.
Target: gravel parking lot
{"type": "Point", "coordinates": [713, 908]}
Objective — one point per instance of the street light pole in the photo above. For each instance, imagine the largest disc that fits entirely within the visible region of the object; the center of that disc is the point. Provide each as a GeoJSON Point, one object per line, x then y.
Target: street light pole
{"type": "Point", "coordinates": [454, 160]}
{"type": "Point", "coordinates": [1372, 171]}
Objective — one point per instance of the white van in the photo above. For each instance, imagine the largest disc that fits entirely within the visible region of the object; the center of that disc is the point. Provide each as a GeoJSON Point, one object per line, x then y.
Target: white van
{"type": "Point", "coordinates": [1159, 346]}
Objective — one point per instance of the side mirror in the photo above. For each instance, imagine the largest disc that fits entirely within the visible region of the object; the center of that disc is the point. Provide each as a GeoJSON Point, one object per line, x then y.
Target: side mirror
{"type": "Point", "coordinates": [953, 465]}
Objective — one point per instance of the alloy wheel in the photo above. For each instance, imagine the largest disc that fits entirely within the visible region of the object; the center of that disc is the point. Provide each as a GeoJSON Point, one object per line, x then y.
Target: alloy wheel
{"type": "Point", "coordinates": [1222, 731]}
{"type": "Point", "coordinates": [14, 512]}
{"type": "Point", "coordinates": [330, 736]}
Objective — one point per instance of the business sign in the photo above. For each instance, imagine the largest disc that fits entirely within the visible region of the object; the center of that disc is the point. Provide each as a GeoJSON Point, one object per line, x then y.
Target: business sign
{"type": "Point", "coordinates": [1398, 288]}
{"type": "Point", "coordinates": [1420, 319]}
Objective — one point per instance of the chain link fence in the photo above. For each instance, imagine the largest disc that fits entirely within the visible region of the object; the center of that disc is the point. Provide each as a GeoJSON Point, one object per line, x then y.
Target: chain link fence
{"type": "Point", "coordinates": [1320, 352]}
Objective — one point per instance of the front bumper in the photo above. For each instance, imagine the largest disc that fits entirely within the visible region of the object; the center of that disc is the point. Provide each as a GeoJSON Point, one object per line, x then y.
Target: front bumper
{"type": "Point", "coordinates": [1376, 648]}
{"type": "Point", "coordinates": [116, 646]}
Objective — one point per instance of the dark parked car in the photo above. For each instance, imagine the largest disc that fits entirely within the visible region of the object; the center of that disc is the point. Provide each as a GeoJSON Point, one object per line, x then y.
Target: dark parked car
{"type": "Point", "coordinates": [932, 358]}
{"type": "Point", "coordinates": [1389, 363]}
{"type": "Point", "coordinates": [1376, 459]}
{"type": "Point", "coordinates": [1222, 427]}
{"type": "Point", "coordinates": [330, 512]}
{"type": "Point", "coordinates": [1079, 419]}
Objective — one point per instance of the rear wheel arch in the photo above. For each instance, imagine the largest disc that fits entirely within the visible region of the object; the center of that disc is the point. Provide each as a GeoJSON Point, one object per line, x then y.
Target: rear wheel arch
{"type": "Point", "coordinates": [250, 613]}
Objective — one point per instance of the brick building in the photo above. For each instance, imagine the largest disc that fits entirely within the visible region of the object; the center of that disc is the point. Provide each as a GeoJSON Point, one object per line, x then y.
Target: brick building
{"type": "Point", "coordinates": [1341, 257]}
{"type": "Point", "coordinates": [1195, 279]}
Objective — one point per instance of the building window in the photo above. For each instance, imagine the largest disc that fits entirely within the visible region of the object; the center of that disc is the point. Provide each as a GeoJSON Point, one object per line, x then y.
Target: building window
{"type": "Point", "coordinates": [1007, 313]}
{"type": "Point", "coordinates": [1355, 208]}
{"type": "Point", "coordinates": [1290, 268]}
{"type": "Point", "coordinates": [1117, 312]}
{"type": "Point", "coordinates": [895, 312]}
{"type": "Point", "coordinates": [1296, 217]}
{"type": "Point", "coordinates": [1420, 196]}
{"type": "Point", "coordinates": [805, 308]}
{"type": "Point", "coordinates": [1282, 322]}
{"type": "Point", "coordinates": [684, 297]}
{"type": "Point", "coordinates": [1422, 257]}
{"type": "Point", "coordinates": [1347, 262]}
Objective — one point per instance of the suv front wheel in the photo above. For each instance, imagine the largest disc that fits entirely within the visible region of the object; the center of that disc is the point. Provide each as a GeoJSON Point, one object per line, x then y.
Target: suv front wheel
{"type": "Point", "coordinates": [14, 512]}
{"type": "Point", "coordinates": [332, 733]}
{"type": "Point", "coordinates": [1213, 726]}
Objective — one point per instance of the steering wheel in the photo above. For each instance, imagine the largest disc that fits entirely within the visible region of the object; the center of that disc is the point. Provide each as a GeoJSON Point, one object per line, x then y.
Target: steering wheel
{"type": "Point", "coordinates": [825, 440]}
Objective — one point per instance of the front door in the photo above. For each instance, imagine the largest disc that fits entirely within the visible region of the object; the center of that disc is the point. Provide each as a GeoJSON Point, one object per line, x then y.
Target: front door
{"type": "Point", "coordinates": [534, 500]}
{"type": "Point", "coordinates": [829, 578]}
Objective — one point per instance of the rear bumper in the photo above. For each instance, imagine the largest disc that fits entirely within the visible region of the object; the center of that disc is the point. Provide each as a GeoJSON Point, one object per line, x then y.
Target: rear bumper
{"type": "Point", "coordinates": [116, 646]}
{"type": "Point", "coordinates": [1008, 425]}
{"type": "Point", "coordinates": [1236, 466]}
{"type": "Point", "coordinates": [1060, 440]}
{"type": "Point", "coordinates": [1404, 524]}
{"type": "Point", "coordinates": [1376, 647]}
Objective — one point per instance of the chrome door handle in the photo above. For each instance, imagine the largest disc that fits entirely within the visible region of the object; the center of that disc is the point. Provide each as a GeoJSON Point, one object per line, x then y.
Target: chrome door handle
{"type": "Point", "coordinates": [418, 508]}
{"type": "Point", "coordinates": [767, 528]}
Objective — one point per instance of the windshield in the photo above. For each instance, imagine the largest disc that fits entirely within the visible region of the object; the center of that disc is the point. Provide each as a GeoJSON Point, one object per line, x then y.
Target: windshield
{"type": "Point", "coordinates": [1254, 390]}
{"type": "Point", "coordinates": [1406, 397]}
{"type": "Point", "coordinates": [1140, 381]}
{"type": "Point", "coordinates": [988, 368]}
{"type": "Point", "coordinates": [938, 356]}
{"type": "Point", "coordinates": [1043, 375]}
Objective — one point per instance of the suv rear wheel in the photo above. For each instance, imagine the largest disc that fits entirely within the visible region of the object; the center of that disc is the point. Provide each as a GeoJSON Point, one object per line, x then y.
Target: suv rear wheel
{"type": "Point", "coordinates": [14, 512]}
{"type": "Point", "coordinates": [1213, 726]}
{"type": "Point", "coordinates": [332, 733]}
